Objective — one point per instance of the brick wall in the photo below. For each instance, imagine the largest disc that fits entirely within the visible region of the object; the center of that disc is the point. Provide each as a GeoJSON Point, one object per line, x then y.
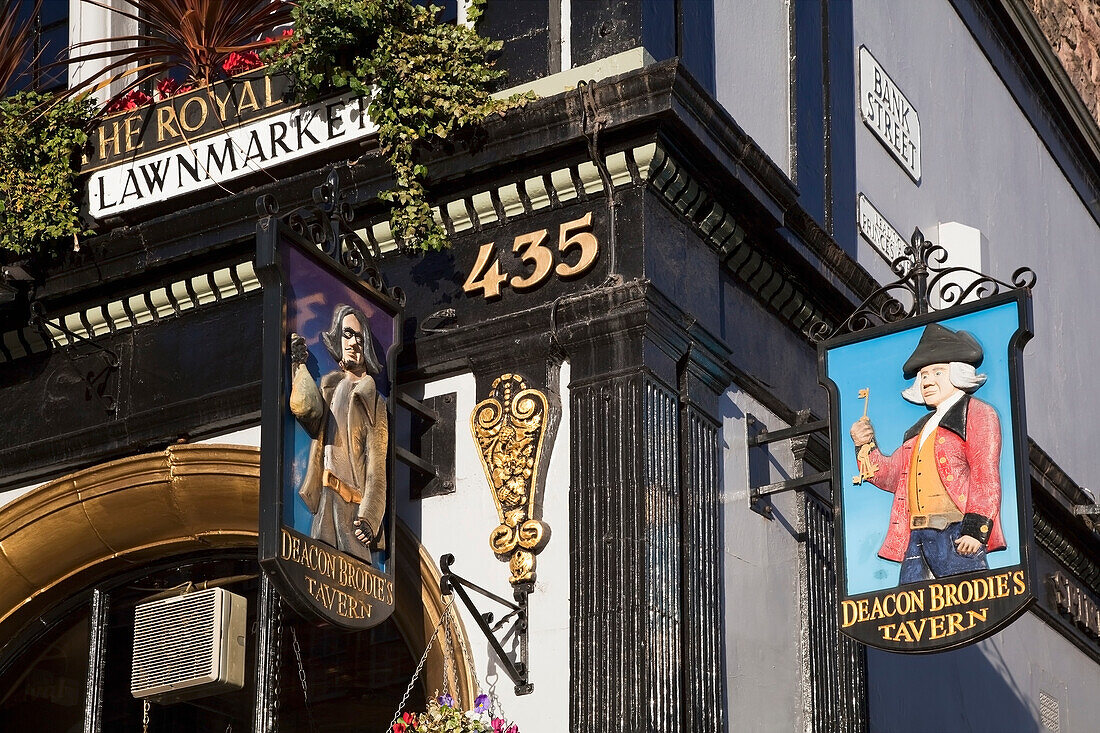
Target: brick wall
{"type": "Point", "coordinates": [1073, 29]}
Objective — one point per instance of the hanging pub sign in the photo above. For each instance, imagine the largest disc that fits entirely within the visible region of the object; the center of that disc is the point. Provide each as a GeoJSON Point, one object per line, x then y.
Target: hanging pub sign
{"type": "Point", "coordinates": [930, 456]}
{"type": "Point", "coordinates": [327, 500]}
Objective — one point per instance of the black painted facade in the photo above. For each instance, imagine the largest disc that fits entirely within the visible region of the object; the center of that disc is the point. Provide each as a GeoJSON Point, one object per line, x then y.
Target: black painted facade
{"type": "Point", "coordinates": [653, 338]}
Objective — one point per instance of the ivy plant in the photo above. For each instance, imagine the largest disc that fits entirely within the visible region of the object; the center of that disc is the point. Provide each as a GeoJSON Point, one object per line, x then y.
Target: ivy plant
{"type": "Point", "coordinates": [40, 138]}
{"type": "Point", "coordinates": [426, 80]}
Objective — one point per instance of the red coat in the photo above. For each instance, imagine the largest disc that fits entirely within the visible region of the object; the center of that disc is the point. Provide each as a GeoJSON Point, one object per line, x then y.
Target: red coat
{"type": "Point", "coordinates": [968, 455]}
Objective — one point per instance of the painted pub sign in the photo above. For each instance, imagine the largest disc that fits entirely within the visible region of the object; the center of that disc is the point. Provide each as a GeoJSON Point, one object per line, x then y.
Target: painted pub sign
{"type": "Point", "coordinates": [930, 456]}
{"type": "Point", "coordinates": [327, 501]}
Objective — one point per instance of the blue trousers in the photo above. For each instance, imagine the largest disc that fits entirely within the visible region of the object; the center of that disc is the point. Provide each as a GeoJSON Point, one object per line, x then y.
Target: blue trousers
{"type": "Point", "coordinates": [932, 554]}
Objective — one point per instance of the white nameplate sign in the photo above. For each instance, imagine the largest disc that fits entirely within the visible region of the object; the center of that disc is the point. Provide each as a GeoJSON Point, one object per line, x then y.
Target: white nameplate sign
{"type": "Point", "coordinates": [237, 152]}
{"type": "Point", "coordinates": [878, 231]}
{"type": "Point", "coordinates": [889, 114]}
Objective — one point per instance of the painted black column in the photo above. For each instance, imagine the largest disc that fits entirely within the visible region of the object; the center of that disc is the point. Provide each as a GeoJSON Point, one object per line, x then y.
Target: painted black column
{"type": "Point", "coordinates": [702, 380]}
{"type": "Point", "coordinates": [645, 622]}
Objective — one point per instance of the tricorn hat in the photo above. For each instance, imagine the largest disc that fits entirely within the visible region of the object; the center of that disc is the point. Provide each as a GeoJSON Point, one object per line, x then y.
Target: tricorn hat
{"type": "Point", "coordinates": [939, 345]}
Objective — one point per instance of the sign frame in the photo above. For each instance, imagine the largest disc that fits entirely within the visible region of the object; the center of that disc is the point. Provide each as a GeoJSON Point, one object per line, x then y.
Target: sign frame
{"type": "Point", "coordinates": [317, 579]}
{"type": "Point", "coordinates": [1005, 604]}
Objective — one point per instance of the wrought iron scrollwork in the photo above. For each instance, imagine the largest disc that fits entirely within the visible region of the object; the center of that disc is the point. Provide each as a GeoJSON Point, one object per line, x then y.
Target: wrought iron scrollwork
{"type": "Point", "coordinates": [925, 283]}
{"type": "Point", "coordinates": [328, 221]}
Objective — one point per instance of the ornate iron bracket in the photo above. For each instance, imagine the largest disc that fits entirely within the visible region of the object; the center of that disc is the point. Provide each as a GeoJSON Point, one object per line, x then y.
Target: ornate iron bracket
{"type": "Point", "coordinates": [799, 435]}
{"type": "Point", "coordinates": [922, 274]}
{"type": "Point", "coordinates": [516, 670]}
{"type": "Point", "coordinates": [328, 222]}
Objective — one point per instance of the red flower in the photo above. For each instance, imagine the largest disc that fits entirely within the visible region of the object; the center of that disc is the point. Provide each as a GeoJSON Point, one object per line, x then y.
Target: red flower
{"type": "Point", "coordinates": [235, 63]}
{"type": "Point", "coordinates": [406, 724]}
{"type": "Point", "coordinates": [130, 100]}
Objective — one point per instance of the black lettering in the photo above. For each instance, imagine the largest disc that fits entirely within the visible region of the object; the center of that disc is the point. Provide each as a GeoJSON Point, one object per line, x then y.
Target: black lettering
{"type": "Point", "coordinates": [277, 139]}
{"type": "Point", "coordinates": [254, 145]}
{"type": "Point", "coordinates": [154, 175]}
{"type": "Point", "coordinates": [103, 196]}
{"type": "Point", "coordinates": [229, 155]}
{"type": "Point", "coordinates": [303, 131]}
{"type": "Point", "coordinates": [131, 183]}
{"type": "Point", "coordinates": [334, 121]}
{"type": "Point", "coordinates": [191, 164]}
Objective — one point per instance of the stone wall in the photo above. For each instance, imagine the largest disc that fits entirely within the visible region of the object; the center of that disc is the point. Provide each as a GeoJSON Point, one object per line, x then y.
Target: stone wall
{"type": "Point", "coordinates": [1073, 29]}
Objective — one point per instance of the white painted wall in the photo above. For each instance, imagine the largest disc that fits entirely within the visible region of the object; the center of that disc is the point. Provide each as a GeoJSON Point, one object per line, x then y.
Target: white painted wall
{"type": "Point", "coordinates": [752, 67]}
{"type": "Point", "coordinates": [460, 524]}
{"type": "Point", "coordinates": [88, 22]}
{"type": "Point", "coordinates": [761, 591]}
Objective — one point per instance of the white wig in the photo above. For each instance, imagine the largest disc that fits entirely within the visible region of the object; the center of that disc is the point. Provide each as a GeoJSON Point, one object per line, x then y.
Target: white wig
{"type": "Point", "coordinates": [961, 375]}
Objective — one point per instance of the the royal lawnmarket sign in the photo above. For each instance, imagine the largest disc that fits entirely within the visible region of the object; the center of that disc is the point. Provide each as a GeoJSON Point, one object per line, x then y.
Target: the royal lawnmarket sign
{"type": "Point", "coordinates": [208, 137]}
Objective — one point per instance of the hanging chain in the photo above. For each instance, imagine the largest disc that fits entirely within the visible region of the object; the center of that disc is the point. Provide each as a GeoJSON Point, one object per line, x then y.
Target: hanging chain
{"type": "Point", "coordinates": [302, 676]}
{"type": "Point", "coordinates": [462, 640]}
{"type": "Point", "coordinates": [420, 666]}
{"type": "Point", "coordinates": [453, 630]}
{"type": "Point", "coordinates": [448, 654]}
{"type": "Point", "coordinates": [145, 716]}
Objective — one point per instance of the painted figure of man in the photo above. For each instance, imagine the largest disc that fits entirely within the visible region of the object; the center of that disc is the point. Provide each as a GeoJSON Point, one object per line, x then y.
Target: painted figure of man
{"type": "Point", "coordinates": [345, 482]}
{"type": "Point", "coordinates": [945, 477]}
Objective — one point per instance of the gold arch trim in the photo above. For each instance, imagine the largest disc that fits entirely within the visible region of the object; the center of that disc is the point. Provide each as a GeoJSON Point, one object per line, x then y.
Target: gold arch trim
{"type": "Point", "coordinates": [73, 532]}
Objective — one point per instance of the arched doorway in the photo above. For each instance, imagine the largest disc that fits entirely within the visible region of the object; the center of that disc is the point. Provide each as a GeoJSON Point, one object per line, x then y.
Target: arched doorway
{"type": "Point", "coordinates": [78, 553]}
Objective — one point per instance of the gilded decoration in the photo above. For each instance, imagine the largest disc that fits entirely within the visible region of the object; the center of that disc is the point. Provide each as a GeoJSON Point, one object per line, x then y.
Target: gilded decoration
{"type": "Point", "coordinates": [509, 427]}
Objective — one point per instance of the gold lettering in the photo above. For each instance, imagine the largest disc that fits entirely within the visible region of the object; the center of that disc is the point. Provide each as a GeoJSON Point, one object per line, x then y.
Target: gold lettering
{"type": "Point", "coordinates": [862, 603]}
{"type": "Point", "coordinates": [918, 631]}
{"type": "Point", "coordinates": [967, 590]}
{"type": "Point", "coordinates": [949, 595]}
{"type": "Point", "coordinates": [876, 609]}
{"type": "Point", "coordinates": [203, 113]}
{"type": "Point", "coordinates": [166, 119]}
{"type": "Point", "coordinates": [248, 98]}
{"type": "Point", "coordinates": [978, 615]}
{"type": "Point", "coordinates": [1002, 585]}
{"type": "Point", "coordinates": [890, 604]}
{"type": "Point", "coordinates": [112, 140]}
{"type": "Point", "coordinates": [886, 630]}
{"type": "Point", "coordinates": [936, 632]}
{"type": "Point", "coordinates": [221, 102]}
{"type": "Point", "coordinates": [935, 593]}
{"type": "Point", "coordinates": [269, 101]}
{"type": "Point", "coordinates": [903, 631]}
{"type": "Point", "coordinates": [1018, 581]}
{"type": "Point", "coordinates": [954, 623]}
{"type": "Point", "coordinates": [131, 133]}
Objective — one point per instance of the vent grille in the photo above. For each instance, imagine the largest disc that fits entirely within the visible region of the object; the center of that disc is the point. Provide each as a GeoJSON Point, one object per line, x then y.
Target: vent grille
{"type": "Point", "coordinates": [193, 642]}
{"type": "Point", "coordinates": [1049, 712]}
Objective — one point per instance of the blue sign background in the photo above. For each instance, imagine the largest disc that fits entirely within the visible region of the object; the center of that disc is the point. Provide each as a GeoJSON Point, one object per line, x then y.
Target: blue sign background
{"type": "Point", "coordinates": [877, 365]}
{"type": "Point", "coordinates": [312, 294]}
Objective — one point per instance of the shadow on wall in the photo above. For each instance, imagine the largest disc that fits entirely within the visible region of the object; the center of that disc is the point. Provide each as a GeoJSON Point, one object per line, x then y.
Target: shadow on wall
{"type": "Point", "coordinates": [972, 689]}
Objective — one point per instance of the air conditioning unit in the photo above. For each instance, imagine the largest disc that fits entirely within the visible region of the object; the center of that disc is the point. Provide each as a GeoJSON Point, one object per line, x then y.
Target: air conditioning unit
{"type": "Point", "coordinates": [188, 646]}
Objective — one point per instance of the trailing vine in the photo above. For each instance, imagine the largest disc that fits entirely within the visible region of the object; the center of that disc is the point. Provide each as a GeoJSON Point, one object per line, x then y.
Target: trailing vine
{"type": "Point", "coordinates": [40, 138]}
{"type": "Point", "coordinates": [426, 80]}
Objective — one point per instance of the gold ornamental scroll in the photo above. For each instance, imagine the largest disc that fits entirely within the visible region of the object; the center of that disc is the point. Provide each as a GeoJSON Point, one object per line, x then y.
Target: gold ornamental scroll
{"type": "Point", "coordinates": [509, 426]}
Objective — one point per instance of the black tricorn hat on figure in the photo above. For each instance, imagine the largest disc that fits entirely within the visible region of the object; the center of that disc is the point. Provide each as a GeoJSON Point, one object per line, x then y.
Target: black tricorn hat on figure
{"type": "Point", "coordinates": [939, 345]}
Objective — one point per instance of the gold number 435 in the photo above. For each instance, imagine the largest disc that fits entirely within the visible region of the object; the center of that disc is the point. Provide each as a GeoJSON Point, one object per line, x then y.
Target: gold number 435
{"type": "Point", "coordinates": [533, 249]}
